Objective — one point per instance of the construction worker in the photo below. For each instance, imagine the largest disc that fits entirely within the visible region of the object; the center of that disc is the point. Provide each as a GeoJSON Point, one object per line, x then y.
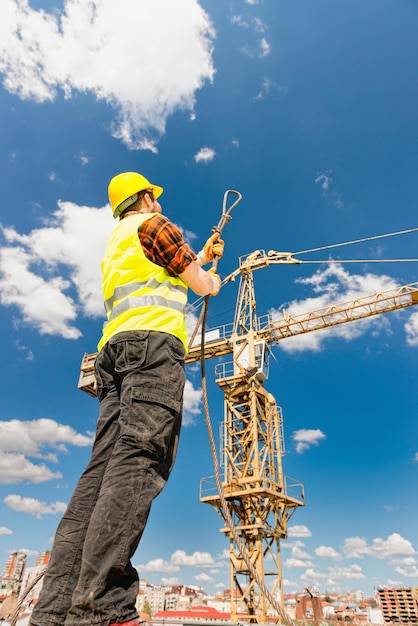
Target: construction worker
{"type": "Point", "coordinates": [139, 369]}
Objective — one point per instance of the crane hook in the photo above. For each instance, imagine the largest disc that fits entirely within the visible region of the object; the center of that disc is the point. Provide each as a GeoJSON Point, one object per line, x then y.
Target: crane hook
{"type": "Point", "coordinates": [226, 212]}
{"type": "Point", "coordinates": [226, 215]}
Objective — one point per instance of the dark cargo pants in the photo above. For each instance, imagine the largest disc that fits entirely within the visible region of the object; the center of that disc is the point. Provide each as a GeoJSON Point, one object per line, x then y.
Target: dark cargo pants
{"type": "Point", "coordinates": [90, 578]}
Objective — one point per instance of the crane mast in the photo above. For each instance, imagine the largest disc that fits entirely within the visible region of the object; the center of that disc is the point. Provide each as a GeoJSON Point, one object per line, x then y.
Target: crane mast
{"type": "Point", "coordinates": [259, 498]}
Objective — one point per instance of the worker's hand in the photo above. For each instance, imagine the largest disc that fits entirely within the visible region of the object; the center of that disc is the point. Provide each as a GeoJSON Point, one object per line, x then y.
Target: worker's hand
{"type": "Point", "coordinates": [214, 247]}
{"type": "Point", "coordinates": [217, 282]}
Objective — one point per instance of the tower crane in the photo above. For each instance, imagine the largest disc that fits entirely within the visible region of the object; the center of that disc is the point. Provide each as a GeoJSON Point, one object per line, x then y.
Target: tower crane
{"type": "Point", "coordinates": [256, 499]}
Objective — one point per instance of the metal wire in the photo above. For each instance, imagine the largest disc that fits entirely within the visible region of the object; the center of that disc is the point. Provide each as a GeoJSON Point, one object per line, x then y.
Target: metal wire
{"type": "Point", "coordinates": [28, 588]}
{"type": "Point", "coordinates": [228, 518]}
{"type": "Point", "coordinates": [347, 243]}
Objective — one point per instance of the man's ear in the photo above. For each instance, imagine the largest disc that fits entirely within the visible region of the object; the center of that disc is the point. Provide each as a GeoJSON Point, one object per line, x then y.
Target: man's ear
{"type": "Point", "coordinates": [147, 199]}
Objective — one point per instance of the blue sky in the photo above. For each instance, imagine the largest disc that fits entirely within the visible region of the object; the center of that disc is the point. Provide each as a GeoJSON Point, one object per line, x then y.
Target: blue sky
{"type": "Point", "coordinates": [309, 109]}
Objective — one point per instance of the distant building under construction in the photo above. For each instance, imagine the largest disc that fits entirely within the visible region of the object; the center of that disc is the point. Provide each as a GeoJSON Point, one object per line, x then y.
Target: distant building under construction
{"type": "Point", "coordinates": [399, 604]}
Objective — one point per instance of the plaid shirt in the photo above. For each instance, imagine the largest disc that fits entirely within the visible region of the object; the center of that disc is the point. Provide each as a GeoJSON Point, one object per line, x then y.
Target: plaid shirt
{"type": "Point", "coordinates": [163, 244]}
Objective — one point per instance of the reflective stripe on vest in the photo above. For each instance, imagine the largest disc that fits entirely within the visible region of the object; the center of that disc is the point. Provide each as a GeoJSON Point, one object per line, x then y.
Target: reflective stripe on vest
{"type": "Point", "coordinates": [139, 301]}
{"type": "Point", "coordinates": [126, 290]}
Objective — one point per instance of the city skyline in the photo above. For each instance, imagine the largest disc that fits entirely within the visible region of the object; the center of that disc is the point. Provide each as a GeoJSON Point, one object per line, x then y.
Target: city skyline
{"type": "Point", "coordinates": [15, 569]}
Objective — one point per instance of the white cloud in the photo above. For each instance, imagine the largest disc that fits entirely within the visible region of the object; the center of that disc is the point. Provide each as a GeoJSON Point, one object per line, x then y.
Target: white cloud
{"type": "Point", "coordinates": [28, 354]}
{"type": "Point", "coordinates": [197, 559]}
{"type": "Point", "coordinates": [306, 438]}
{"type": "Point", "coordinates": [325, 180]}
{"type": "Point", "coordinates": [191, 319]}
{"type": "Point", "coordinates": [411, 329]}
{"type": "Point", "coordinates": [394, 583]}
{"type": "Point", "coordinates": [34, 507]}
{"type": "Point", "coordinates": [410, 571]}
{"type": "Point", "coordinates": [169, 581]}
{"type": "Point", "coordinates": [84, 160]}
{"type": "Point", "coordinates": [290, 563]}
{"type": "Point", "coordinates": [269, 86]}
{"type": "Point", "coordinates": [189, 236]}
{"type": "Point", "coordinates": [296, 550]}
{"type": "Point", "coordinates": [27, 551]}
{"type": "Point", "coordinates": [239, 21]}
{"type": "Point", "coordinates": [262, 47]}
{"type": "Point", "coordinates": [355, 548]}
{"type": "Point", "coordinates": [408, 560]}
{"type": "Point", "coordinates": [333, 285]}
{"type": "Point", "coordinates": [265, 48]}
{"type": "Point", "coordinates": [290, 584]}
{"type": "Point", "coordinates": [157, 565]}
{"type": "Point", "coordinates": [347, 573]}
{"type": "Point", "coordinates": [260, 26]}
{"type": "Point", "coordinates": [81, 49]}
{"type": "Point", "coordinates": [31, 437]}
{"type": "Point", "coordinates": [15, 468]}
{"type": "Point", "coordinates": [31, 268]}
{"type": "Point", "coordinates": [327, 552]}
{"type": "Point", "coordinates": [19, 439]}
{"type": "Point", "coordinates": [5, 531]}
{"type": "Point", "coordinates": [299, 531]}
{"type": "Point", "coordinates": [204, 578]}
{"type": "Point", "coordinates": [192, 403]}
{"type": "Point", "coordinates": [394, 546]}
{"type": "Point", "coordinates": [205, 155]}
{"type": "Point", "coordinates": [311, 576]}
{"type": "Point", "coordinates": [42, 303]}
{"type": "Point", "coordinates": [298, 553]}
{"type": "Point", "coordinates": [261, 50]}
{"type": "Point", "coordinates": [178, 559]}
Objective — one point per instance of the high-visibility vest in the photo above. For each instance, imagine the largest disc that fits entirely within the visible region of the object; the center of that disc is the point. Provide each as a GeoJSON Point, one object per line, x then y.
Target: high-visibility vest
{"type": "Point", "coordinates": [138, 294]}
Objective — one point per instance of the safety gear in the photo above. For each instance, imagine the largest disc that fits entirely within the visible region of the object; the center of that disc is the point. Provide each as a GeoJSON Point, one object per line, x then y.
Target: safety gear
{"type": "Point", "coordinates": [124, 188]}
{"type": "Point", "coordinates": [217, 279]}
{"type": "Point", "coordinates": [138, 294]}
{"type": "Point", "coordinates": [213, 247]}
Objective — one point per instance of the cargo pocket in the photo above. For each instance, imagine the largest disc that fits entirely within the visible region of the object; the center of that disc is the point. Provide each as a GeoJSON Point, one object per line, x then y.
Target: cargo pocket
{"type": "Point", "coordinates": [130, 354]}
{"type": "Point", "coordinates": [156, 417]}
{"type": "Point", "coordinates": [156, 396]}
{"type": "Point", "coordinates": [176, 349]}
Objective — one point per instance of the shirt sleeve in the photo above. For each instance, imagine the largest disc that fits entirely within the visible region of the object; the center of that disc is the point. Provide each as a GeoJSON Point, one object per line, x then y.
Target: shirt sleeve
{"type": "Point", "coordinates": [163, 244]}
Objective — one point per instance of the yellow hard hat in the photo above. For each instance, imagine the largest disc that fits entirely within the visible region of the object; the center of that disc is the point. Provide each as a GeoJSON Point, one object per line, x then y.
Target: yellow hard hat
{"type": "Point", "coordinates": [124, 188]}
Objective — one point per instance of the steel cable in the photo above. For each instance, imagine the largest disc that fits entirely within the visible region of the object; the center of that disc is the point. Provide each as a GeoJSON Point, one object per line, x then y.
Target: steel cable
{"type": "Point", "coordinates": [28, 588]}
{"type": "Point", "coordinates": [201, 322]}
{"type": "Point", "coordinates": [347, 243]}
